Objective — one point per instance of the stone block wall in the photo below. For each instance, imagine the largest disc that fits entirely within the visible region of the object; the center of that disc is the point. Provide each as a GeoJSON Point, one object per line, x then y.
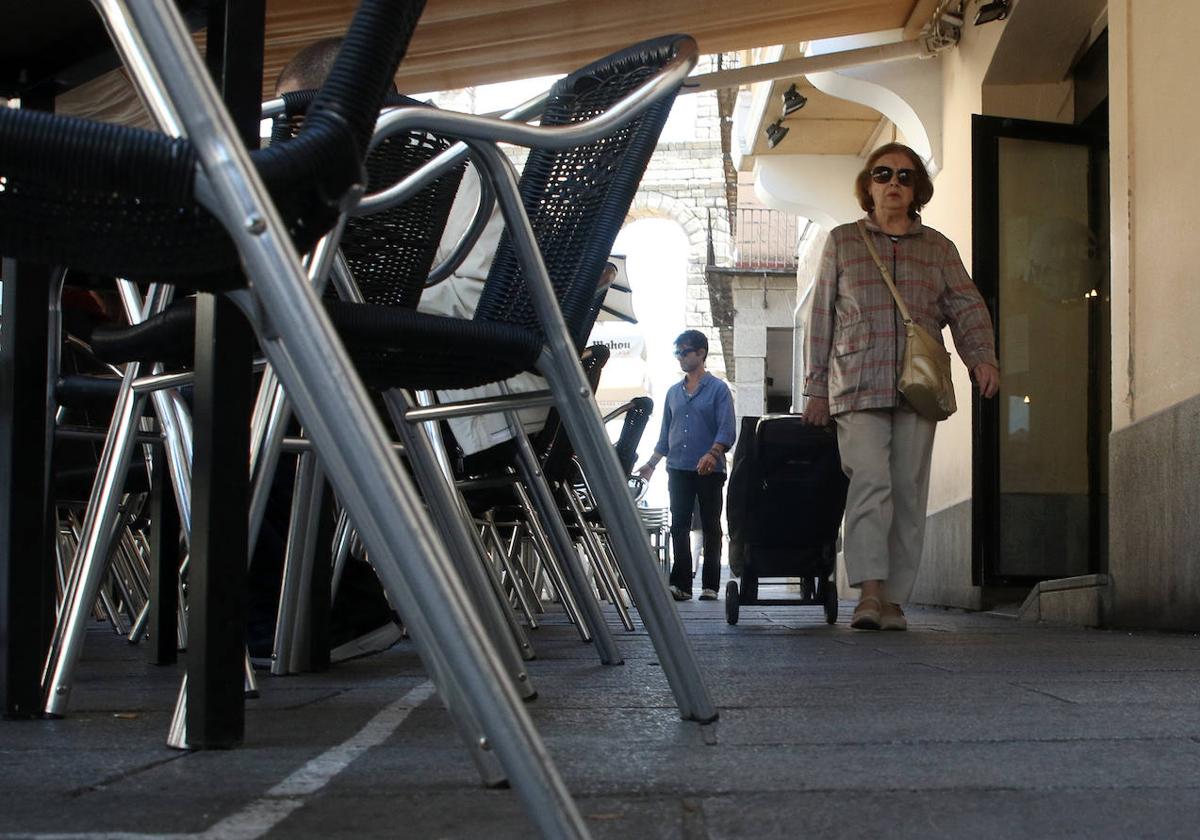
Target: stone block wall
{"type": "Point", "coordinates": [685, 182]}
{"type": "Point", "coordinates": [761, 301]}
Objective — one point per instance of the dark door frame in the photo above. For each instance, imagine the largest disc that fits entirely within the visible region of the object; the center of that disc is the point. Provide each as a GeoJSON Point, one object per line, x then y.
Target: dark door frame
{"type": "Point", "coordinates": [986, 133]}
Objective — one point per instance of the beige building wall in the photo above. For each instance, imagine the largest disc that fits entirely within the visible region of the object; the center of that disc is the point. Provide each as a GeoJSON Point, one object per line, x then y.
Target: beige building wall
{"type": "Point", "coordinates": [1155, 464]}
{"type": "Point", "coordinates": [946, 575]}
{"type": "Point", "coordinates": [950, 212]}
{"type": "Point", "coordinates": [1156, 291]}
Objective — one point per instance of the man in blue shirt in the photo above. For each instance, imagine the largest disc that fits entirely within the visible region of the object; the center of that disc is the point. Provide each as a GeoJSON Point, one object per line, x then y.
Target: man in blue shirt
{"type": "Point", "coordinates": [697, 431]}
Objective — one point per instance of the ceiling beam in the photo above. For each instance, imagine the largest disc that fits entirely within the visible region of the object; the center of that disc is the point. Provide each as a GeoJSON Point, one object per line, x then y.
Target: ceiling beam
{"type": "Point", "coordinates": [809, 64]}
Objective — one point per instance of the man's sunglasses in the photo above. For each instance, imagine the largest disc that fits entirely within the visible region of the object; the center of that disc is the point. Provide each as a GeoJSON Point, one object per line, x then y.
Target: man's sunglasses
{"type": "Point", "coordinates": [680, 352]}
{"type": "Point", "coordinates": [883, 175]}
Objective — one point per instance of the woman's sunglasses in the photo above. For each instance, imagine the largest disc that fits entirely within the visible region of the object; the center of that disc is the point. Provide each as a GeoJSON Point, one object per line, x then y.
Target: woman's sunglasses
{"type": "Point", "coordinates": [883, 175]}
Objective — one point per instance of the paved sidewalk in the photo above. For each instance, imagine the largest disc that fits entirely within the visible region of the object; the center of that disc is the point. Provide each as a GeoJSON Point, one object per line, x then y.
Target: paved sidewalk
{"type": "Point", "coordinates": [968, 725]}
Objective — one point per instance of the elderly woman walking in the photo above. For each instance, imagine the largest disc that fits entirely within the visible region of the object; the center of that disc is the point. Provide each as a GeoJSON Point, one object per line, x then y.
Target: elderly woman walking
{"type": "Point", "coordinates": [856, 342]}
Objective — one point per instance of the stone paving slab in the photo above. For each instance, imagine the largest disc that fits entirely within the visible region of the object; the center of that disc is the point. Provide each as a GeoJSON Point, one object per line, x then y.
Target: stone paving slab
{"type": "Point", "coordinates": [981, 815]}
{"type": "Point", "coordinates": [967, 726]}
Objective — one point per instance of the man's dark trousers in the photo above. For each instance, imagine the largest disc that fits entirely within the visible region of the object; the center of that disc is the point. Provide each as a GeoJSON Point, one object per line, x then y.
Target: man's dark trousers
{"type": "Point", "coordinates": [687, 488]}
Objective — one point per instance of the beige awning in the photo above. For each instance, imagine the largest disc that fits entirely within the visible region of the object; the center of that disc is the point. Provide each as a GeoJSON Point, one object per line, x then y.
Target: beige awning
{"type": "Point", "coordinates": [467, 42]}
{"type": "Point", "coordinates": [460, 43]}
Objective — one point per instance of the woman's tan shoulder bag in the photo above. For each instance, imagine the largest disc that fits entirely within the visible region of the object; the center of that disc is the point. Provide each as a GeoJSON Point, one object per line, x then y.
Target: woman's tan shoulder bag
{"type": "Point", "coordinates": [925, 375]}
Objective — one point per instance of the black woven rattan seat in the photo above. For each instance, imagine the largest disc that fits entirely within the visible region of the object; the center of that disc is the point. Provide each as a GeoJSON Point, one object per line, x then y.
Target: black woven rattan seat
{"type": "Point", "coordinates": [402, 347]}
{"type": "Point", "coordinates": [120, 201]}
{"type": "Point", "coordinates": [389, 253]}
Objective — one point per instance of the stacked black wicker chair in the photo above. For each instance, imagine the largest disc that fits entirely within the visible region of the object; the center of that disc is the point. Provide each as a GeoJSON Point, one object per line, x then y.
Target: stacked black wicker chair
{"type": "Point", "coordinates": [636, 415]}
{"type": "Point", "coordinates": [129, 203]}
{"type": "Point", "coordinates": [575, 504]}
{"type": "Point", "coordinates": [85, 392]}
{"type": "Point", "coordinates": [386, 248]}
{"type": "Point", "coordinates": [579, 180]}
{"type": "Point", "coordinates": [579, 506]}
{"type": "Point", "coordinates": [388, 256]}
{"type": "Point", "coordinates": [500, 490]}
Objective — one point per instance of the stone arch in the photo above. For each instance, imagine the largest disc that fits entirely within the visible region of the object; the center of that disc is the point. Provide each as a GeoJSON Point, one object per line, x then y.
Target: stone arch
{"type": "Point", "coordinates": [693, 219]}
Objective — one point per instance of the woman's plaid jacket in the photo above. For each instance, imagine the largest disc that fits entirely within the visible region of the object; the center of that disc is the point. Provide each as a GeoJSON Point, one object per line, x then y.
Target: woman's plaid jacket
{"type": "Point", "coordinates": [855, 338]}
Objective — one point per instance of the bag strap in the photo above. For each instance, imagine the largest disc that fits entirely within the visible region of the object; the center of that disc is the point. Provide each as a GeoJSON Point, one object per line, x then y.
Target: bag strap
{"type": "Point", "coordinates": [887, 275]}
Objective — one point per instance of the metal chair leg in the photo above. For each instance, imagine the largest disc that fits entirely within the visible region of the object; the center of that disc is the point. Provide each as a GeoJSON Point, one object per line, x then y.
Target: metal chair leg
{"type": "Point", "coordinates": [630, 543]}
{"type": "Point", "coordinates": [520, 584]}
{"type": "Point", "coordinates": [596, 552]}
{"type": "Point", "coordinates": [449, 509]}
{"type": "Point", "coordinates": [90, 563]}
{"type": "Point", "coordinates": [342, 539]}
{"type": "Point", "coordinates": [301, 344]}
{"type": "Point", "coordinates": [530, 557]}
{"type": "Point", "coordinates": [518, 533]}
{"type": "Point", "coordinates": [610, 563]}
{"type": "Point", "coordinates": [545, 554]}
{"type": "Point", "coordinates": [289, 655]}
{"type": "Point", "coordinates": [564, 554]}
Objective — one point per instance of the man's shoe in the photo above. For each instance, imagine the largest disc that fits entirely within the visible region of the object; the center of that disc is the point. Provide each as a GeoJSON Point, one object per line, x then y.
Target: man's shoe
{"type": "Point", "coordinates": [866, 614]}
{"type": "Point", "coordinates": [708, 595]}
{"type": "Point", "coordinates": [891, 617]}
{"type": "Point", "coordinates": [679, 595]}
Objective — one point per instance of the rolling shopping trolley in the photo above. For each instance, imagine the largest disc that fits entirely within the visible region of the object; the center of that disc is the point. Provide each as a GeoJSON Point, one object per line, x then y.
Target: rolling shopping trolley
{"type": "Point", "coordinates": [787, 494]}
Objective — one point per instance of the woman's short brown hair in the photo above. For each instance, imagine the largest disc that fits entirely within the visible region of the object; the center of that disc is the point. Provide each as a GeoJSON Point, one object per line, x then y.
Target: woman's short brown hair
{"type": "Point", "coordinates": [922, 189]}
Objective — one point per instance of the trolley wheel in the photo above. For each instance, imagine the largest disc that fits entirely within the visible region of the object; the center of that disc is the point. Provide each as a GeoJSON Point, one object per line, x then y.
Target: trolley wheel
{"type": "Point", "coordinates": [829, 596]}
{"type": "Point", "coordinates": [731, 602]}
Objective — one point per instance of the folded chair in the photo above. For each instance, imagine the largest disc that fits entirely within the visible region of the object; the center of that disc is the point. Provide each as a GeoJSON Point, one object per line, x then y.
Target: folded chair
{"type": "Point", "coordinates": [579, 505]}
{"type": "Point", "coordinates": [497, 494]}
{"type": "Point", "coordinates": [560, 471]}
{"type": "Point", "coordinates": [384, 248]}
{"type": "Point", "coordinates": [396, 347]}
{"type": "Point", "coordinates": [60, 174]}
{"type": "Point", "coordinates": [597, 132]}
{"type": "Point", "coordinates": [387, 260]}
{"type": "Point", "coordinates": [86, 394]}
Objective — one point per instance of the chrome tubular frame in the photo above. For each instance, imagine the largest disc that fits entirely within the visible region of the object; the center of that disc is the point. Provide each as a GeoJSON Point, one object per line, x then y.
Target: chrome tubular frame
{"type": "Point", "coordinates": [302, 346]}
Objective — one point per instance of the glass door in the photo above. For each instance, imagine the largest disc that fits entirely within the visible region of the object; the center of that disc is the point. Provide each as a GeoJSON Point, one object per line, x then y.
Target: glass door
{"type": "Point", "coordinates": [1040, 259]}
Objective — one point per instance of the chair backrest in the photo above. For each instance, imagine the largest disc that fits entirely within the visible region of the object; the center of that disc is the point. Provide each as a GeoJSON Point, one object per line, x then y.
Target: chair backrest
{"type": "Point", "coordinates": [390, 253]}
{"type": "Point", "coordinates": [551, 443]}
{"type": "Point", "coordinates": [577, 198]}
{"type": "Point", "coordinates": [636, 418]}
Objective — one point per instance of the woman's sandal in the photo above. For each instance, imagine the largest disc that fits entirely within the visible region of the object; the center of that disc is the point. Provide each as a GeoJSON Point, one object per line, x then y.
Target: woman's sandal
{"type": "Point", "coordinates": [892, 618]}
{"type": "Point", "coordinates": [866, 614]}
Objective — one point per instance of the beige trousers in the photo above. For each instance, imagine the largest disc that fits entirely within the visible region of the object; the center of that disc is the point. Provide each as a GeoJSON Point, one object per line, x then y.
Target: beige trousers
{"type": "Point", "coordinates": [885, 454]}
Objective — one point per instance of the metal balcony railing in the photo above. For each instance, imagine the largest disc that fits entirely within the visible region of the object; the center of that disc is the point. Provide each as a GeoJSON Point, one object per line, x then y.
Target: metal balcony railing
{"type": "Point", "coordinates": [766, 239]}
